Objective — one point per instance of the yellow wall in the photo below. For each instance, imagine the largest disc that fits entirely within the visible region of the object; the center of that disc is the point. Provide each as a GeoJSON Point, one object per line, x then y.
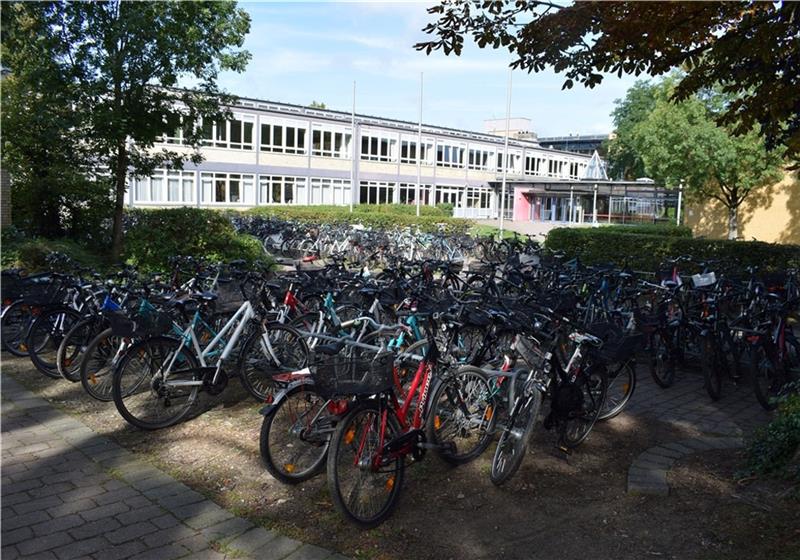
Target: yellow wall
{"type": "Point", "coordinates": [770, 214]}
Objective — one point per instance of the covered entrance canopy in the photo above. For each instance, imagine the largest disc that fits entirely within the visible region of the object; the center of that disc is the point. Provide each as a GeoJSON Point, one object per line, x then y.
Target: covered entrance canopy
{"type": "Point", "coordinates": [590, 201]}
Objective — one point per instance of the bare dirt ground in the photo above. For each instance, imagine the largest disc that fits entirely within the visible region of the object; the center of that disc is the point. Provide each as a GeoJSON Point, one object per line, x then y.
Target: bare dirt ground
{"type": "Point", "coordinates": [555, 507]}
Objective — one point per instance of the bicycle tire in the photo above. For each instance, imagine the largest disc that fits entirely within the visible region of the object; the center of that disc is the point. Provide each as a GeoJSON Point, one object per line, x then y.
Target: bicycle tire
{"type": "Point", "coordinates": [134, 377]}
{"type": "Point", "coordinates": [73, 348]}
{"type": "Point", "coordinates": [765, 377]}
{"type": "Point", "coordinates": [351, 449]}
{"type": "Point", "coordinates": [625, 379]}
{"type": "Point", "coordinates": [514, 439]}
{"type": "Point", "coordinates": [257, 363]}
{"type": "Point", "coordinates": [45, 336]}
{"type": "Point", "coordinates": [714, 365]}
{"type": "Point", "coordinates": [469, 397]}
{"type": "Point", "coordinates": [97, 366]}
{"type": "Point", "coordinates": [662, 361]}
{"type": "Point", "coordinates": [593, 385]}
{"type": "Point", "coordinates": [285, 469]}
{"type": "Point", "coordinates": [15, 326]}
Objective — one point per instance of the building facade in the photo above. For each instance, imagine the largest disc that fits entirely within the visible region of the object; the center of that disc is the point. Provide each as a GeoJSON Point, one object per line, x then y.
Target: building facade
{"type": "Point", "coordinates": [280, 154]}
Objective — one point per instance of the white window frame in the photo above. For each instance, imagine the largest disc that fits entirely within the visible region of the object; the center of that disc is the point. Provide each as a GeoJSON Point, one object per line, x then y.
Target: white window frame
{"type": "Point", "coordinates": [267, 141]}
{"type": "Point", "coordinates": [480, 157]}
{"type": "Point", "coordinates": [408, 191]}
{"type": "Point", "coordinates": [452, 154]}
{"type": "Point", "coordinates": [246, 180]}
{"type": "Point", "coordinates": [385, 190]}
{"type": "Point", "coordinates": [428, 152]}
{"type": "Point", "coordinates": [381, 146]}
{"type": "Point", "coordinates": [344, 152]}
{"type": "Point", "coordinates": [156, 188]}
{"type": "Point", "coordinates": [286, 184]}
{"type": "Point", "coordinates": [221, 133]}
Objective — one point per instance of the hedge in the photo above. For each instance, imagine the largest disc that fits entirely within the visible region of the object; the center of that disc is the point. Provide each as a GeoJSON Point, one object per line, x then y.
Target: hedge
{"type": "Point", "coordinates": [648, 229]}
{"type": "Point", "coordinates": [382, 216]}
{"type": "Point", "coordinates": [153, 236]}
{"type": "Point", "coordinates": [31, 253]}
{"type": "Point", "coordinates": [646, 252]}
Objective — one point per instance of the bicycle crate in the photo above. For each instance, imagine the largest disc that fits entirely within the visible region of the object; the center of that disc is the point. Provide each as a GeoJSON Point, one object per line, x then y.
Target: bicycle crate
{"type": "Point", "coordinates": [344, 374]}
{"type": "Point", "coordinates": [532, 353]}
{"type": "Point", "coordinates": [618, 347]}
{"type": "Point", "coordinates": [139, 325]}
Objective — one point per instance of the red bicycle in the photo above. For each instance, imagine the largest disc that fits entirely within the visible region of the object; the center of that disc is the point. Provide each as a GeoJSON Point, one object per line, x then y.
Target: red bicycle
{"type": "Point", "coordinates": [449, 412]}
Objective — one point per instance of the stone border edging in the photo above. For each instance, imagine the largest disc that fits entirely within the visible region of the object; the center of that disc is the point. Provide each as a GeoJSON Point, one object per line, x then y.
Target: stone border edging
{"type": "Point", "coordinates": [647, 474]}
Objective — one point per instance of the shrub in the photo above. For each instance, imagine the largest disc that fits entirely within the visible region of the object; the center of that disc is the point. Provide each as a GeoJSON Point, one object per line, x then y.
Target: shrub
{"type": "Point", "coordinates": [31, 253]}
{"type": "Point", "coordinates": [392, 216]}
{"type": "Point", "coordinates": [153, 236]}
{"type": "Point", "coordinates": [649, 229]}
{"type": "Point", "coordinates": [647, 252]}
{"type": "Point", "coordinates": [774, 449]}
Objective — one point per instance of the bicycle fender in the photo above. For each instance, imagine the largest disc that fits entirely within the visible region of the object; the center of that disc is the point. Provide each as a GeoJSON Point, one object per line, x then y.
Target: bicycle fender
{"type": "Point", "coordinates": [283, 393]}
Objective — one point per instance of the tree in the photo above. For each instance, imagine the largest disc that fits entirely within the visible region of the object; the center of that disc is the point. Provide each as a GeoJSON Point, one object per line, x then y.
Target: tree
{"type": "Point", "coordinates": [749, 49]}
{"type": "Point", "coordinates": [682, 142]}
{"type": "Point", "coordinates": [318, 105]}
{"type": "Point", "coordinates": [121, 62]}
{"type": "Point", "coordinates": [624, 161]}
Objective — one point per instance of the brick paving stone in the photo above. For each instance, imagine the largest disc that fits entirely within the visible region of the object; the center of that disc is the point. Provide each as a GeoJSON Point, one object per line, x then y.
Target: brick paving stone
{"type": "Point", "coordinates": [41, 544]}
{"type": "Point", "coordinates": [309, 552]}
{"type": "Point", "coordinates": [60, 503]}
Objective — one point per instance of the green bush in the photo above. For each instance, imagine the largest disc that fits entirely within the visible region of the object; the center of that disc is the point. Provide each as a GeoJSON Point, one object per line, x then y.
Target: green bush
{"type": "Point", "coordinates": [153, 236]}
{"type": "Point", "coordinates": [774, 449]}
{"type": "Point", "coordinates": [647, 252]}
{"type": "Point", "coordinates": [649, 229]}
{"type": "Point", "coordinates": [31, 253]}
{"type": "Point", "coordinates": [392, 216]}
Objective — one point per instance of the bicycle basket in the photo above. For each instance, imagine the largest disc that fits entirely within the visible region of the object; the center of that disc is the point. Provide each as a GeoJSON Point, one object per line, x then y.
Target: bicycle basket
{"type": "Point", "coordinates": [532, 353]}
{"type": "Point", "coordinates": [354, 374]}
{"type": "Point", "coordinates": [140, 325]}
{"type": "Point", "coordinates": [704, 280]}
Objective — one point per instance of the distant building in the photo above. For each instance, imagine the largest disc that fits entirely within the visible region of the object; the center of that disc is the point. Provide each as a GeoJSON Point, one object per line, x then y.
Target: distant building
{"type": "Point", "coordinates": [579, 143]}
{"type": "Point", "coordinates": [518, 128]}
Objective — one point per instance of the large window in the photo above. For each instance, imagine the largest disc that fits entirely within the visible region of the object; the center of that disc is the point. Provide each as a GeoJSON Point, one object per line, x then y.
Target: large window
{"type": "Point", "coordinates": [448, 155]}
{"type": "Point", "coordinates": [228, 188]}
{"type": "Point", "coordinates": [329, 191]}
{"type": "Point", "coordinates": [378, 148]}
{"type": "Point", "coordinates": [279, 189]}
{"type": "Point", "coordinates": [448, 195]}
{"type": "Point", "coordinates": [330, 143]}
{"type": "Point", "coordinates": [236, 134]}
{"type": "Point", "coordinates": [408, 193]}
{"type": "Point", "coordinates": [480, 159]}
{"type": "Point", "coordinates": [533, 165]}
{"type": "Point", "coordinates": [477, 197]}
{"type": "Point", "coordinates": [573, 170]}
{"type": "Point", "coordinates": [165, 187]}
{"type": "Point", "coordinates": [377, 192]}
{"type": "Point", "coordinates": [283, 138]}
{"type": "Point", "coordinates": [408, 151]}
{"type": "Point", "coordinates": [514, 162]}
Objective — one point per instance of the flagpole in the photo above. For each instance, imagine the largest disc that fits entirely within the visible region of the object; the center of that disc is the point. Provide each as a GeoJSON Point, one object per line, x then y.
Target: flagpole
{"type": "Point", "coordinates": [353, 149]}
{"type": "Point", "coordinates": [505, 158]}
{"type": "Point", "coordinates": [419, 148]}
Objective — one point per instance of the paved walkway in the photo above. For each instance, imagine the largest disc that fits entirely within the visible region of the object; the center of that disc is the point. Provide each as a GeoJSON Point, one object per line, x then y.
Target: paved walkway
{"type": "Point", "coordinates": [69, 493]}
{"type": "Point", "coordinates": [724, 424]}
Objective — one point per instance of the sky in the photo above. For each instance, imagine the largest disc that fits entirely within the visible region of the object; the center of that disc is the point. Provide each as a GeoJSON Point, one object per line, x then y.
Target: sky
{"type": "Point", "coordinates": [304, 52]}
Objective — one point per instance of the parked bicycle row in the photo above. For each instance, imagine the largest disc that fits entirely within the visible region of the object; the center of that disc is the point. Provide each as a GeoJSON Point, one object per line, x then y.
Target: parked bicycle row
{"type": "Point", "coordinates": [360, 244]}
{"type": "Point", "coordinates": [365, 374]}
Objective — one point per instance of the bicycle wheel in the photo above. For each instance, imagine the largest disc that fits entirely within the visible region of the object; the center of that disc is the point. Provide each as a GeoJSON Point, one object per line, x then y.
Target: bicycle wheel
{"type": "Point", "coordinates": [576, 427]}
{"type": "Point", "coordinates": [714, 366]}
{"type": "Point", "coordinates": [45, 336]}
{"type": "Point", "coordinates": [662, 360]}
{"type": "Point", "coordinates": [269, 352]}
{"type": "Point", "coordinates": [621, 386]}
{"type": "Point", "coordinates": [515, 437]}
{"type": "Point", "coordinates": [154, 385]}
{"type": "Point", "coordinates": [97, 367]}
{"type": "Point", "coordinates": [15, 325]}
{"type": "Point", "coordinates": [767, 377]}
{"type": "Point", "coordinates": [73, 348]}
{"type": "Point", "coordinates": [364, 492]}
{"type": "Point", "coordinates": [462, 416]}
{"type": "Point", "coordinates": [295, 436]}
